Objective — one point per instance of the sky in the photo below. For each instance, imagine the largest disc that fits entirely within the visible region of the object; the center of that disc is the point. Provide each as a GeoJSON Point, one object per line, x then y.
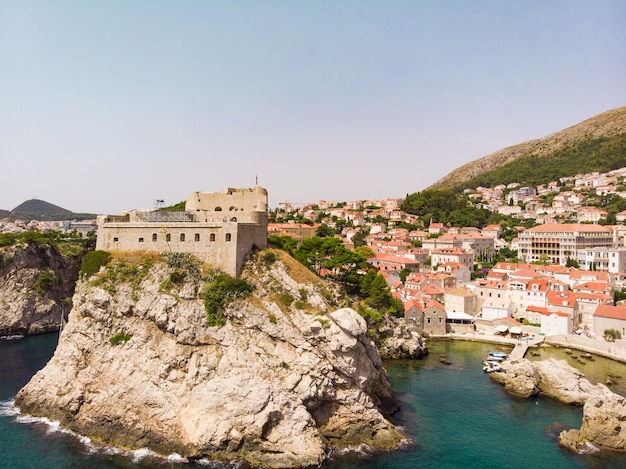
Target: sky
{"type": "Point", "coordinates": [110, 105]}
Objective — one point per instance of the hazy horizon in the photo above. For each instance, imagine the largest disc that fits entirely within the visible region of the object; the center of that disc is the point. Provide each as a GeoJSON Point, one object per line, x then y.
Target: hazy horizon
{"type": "Point", "coordinates": [107, 106]}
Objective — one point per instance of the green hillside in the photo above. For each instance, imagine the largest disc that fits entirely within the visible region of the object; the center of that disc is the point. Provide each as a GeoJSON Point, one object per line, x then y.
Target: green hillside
{"type": "Point", "coordinates": [36, 209]}
{"type": "Point", "coordinates": [596, 144]}
{"type": "Point", "coordinates": [600, 154]}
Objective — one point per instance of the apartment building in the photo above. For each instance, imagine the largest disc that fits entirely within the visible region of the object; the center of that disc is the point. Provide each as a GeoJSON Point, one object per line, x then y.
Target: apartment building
{"type": "Point", "coordinates": [556, 243]}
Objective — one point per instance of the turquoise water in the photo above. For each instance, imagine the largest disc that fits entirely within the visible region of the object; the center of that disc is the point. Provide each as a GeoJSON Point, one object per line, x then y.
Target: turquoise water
{"type": "Point", "coordinates": [455, 417]}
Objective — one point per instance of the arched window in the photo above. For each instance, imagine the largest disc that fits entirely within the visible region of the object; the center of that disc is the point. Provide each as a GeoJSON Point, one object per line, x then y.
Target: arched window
{"type": "Point", "coordinates": [182, 236]}
{"type": "Point", "coordinates": [227, 236]}
{"type": "Point", "coordinates": [233, 219]}
{"type": "Point", "coordinates": [218, 209]}
{"type": "Point", "coordinates": [212, 237]}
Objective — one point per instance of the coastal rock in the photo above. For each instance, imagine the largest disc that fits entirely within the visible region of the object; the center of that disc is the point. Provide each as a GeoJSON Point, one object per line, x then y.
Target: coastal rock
{"type": "Point", "coordinates": [276, 386]}
{"type": "Point", "coordinates": [604, 412]}
{"type": "Point", "coordinates": [397, 341]}
{"type": "Point", "coordinates": [553, 378]}
{"type": "Point", "coordinates": [603, 424]}
{"type": "Point", "coordinates": [518, 378]}
{"type": "Point", "coordinates": [36, 286]}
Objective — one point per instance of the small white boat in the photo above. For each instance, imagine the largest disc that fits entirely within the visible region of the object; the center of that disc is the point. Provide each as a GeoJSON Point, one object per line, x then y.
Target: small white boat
{"type": "Point", "coordinates": [490, 367]}
{"type": "Point", "coordinates": [495, 359]}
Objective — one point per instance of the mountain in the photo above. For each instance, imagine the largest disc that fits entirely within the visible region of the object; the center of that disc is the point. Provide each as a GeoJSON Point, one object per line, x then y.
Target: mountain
{"type": "Point", "coordinates": [596, 144]}
{"type": "Point", "coordinates": [36, 209]}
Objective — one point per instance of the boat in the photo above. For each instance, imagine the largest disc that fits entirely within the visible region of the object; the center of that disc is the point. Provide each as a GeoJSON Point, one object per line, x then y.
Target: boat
{"type": "Point", "coordinates": [505, 349]}
{"type": "Point", "coordinates": [490, 367]}
{"type": "Point", "coordinates": [495, 359]}
{"type": "Point", "coordinates": [497, 354]}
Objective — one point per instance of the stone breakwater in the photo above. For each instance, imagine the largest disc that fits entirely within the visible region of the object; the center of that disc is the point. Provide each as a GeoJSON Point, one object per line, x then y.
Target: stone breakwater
{"type": "Point", "coordinates": [604, 412]}
{"type": "Point", "coordinates": [277, 386]}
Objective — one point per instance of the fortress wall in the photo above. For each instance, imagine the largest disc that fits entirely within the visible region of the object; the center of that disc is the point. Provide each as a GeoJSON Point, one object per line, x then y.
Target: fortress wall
{"type": "Point", "coordinates": [209, 242]}
{"type": "Point", "coordinates": [221, 238]}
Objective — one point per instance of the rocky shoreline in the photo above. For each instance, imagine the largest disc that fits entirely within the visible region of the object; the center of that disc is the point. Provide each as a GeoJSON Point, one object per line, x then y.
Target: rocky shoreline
{"type": "Point", "coordinates": [278, 385]}
{"type": "Point", "coordinates": [604, 412]}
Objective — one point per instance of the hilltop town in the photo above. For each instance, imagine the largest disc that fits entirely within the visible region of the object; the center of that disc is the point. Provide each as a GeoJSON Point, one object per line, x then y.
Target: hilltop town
{"type": "Point", "coordinates": [563, 275]}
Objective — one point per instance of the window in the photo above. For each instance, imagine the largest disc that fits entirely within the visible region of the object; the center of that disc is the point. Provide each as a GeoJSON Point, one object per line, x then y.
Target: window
{"type": "Point", "coordinates": [115, 240]}
{"type": "Point", "coordinates": [168, 237]}
{"type": "Point", "coordinates": [427, 320]}
{"type": "Point", "coordinates": [141, 240]}
{"type": "Point", "coordinates": [212, 237]}
{"type": "Point", "coordinates": [196, 237]}
{"type": "Point", "coordinates": [228, 236]}
{"type": "Point", "coordinates": [440, 320]}
{"type": "Point", "coordinates": [182, 236]}
{"type": "Point", "coordinates": [154, 236]}
{"type": "Point", "coordinates": [418, 320]}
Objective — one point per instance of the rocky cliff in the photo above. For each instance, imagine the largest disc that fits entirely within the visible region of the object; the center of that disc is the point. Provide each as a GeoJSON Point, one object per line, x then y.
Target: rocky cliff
{"type": "Point", "coordinates": [286, 378]}
{"type": "Point", "coordinates": [36, 285]}
{"type": "Point", "coordinates": [604, 412]}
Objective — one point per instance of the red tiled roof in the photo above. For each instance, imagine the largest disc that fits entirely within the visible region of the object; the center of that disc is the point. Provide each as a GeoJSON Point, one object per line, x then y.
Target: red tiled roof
{"type": "Point", "coordinates": [611, 312]}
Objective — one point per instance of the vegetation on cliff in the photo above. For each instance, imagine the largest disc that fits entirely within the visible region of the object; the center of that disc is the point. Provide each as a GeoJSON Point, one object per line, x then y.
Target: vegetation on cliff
{"type": "Point", "coordinates": [278, 385]}
{"type": "Point", "coordinates": [329, 258]}
{"type": "Point", "coordinates": [67, 244]}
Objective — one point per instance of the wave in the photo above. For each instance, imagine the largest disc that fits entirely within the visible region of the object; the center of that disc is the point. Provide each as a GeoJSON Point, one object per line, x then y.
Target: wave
{"type": "Point", "coordinates": [8, 408]}
{"type": "Point", "coordinates": [12, 337]}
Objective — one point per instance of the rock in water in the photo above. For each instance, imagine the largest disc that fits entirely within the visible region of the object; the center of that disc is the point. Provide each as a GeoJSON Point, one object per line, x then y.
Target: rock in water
{"type": "Point", "coordinates": [604, 412]}
{"type": "Point", "coordinates": [276, 386]}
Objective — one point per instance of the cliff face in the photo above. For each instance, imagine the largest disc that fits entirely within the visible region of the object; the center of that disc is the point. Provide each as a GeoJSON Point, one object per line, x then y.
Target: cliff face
{"type": "Point", "coordinates": [36, 285]}
{"type": "Point", "coordinates": [277, 385]}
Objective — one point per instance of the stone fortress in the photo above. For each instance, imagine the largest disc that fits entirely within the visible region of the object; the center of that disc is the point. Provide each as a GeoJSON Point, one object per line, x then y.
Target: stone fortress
{"type": "Point", "coordinates": [220, 228]}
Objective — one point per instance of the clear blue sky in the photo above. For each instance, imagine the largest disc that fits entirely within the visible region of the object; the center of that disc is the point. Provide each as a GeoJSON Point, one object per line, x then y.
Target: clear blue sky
{"type": "Point", "coordinates": [109, 105]}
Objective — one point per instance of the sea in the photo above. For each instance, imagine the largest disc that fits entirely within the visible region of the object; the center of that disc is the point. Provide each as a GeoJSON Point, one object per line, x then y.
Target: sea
{"type": "Point", "coordinates": [453, 415]}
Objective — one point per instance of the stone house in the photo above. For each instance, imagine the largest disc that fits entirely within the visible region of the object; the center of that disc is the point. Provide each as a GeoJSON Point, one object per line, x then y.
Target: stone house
{"type": "Point", "coordinates": [610, 317]}
{"type": "Point", "coordinates": [426, 317]}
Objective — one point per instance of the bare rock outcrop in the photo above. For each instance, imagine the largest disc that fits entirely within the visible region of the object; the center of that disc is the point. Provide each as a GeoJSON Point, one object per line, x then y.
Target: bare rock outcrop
{"type": "Point", "coordinates": [278, 385]}
{"type": "Point", "coordinates": [36, 286]}
{"type": "Point", "coordinates": [603, 427]}
{"type": "Point", "coordinates": [398, 341]}
{"type": "Point", "coordinates": [604, 412]}
{"type": "Point", "coordinates": [553, 378]}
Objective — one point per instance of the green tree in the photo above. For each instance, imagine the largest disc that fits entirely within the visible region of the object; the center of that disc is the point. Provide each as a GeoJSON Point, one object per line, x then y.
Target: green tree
{"type": "Point", "coordinates": [324, 231]}
{"type": "Point", "coordinates": [358, 239]}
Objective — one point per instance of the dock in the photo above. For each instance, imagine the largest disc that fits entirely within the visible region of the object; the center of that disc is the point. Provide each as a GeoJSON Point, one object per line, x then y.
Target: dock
{"type": "Point", "coordinates": [522, 347]}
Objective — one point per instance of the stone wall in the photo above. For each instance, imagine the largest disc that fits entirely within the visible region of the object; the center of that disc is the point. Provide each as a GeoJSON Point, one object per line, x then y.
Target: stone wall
{"type": "Point", "coordinates": [220, 228]}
